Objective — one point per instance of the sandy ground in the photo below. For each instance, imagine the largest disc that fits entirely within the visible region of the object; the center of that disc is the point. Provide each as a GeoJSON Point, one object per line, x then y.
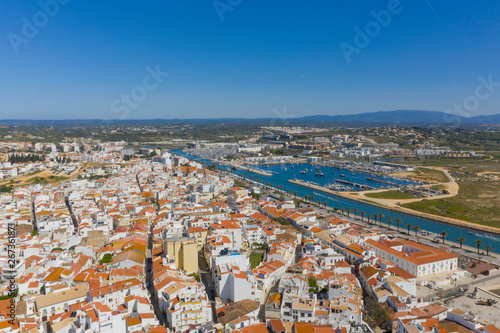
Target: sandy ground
{"type": "Point", "coordinates": [25, 179]}
{"type": "Point", "coordinates": [19, 181]}
{"type": "Point", "coordinates": [488, 314]}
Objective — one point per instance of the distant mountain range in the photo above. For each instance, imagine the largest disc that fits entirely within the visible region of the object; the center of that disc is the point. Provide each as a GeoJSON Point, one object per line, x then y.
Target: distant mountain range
{"type": "Point", "coordinates": [398, 117]}
{"type": "Point", "coordinates": [406, 117]}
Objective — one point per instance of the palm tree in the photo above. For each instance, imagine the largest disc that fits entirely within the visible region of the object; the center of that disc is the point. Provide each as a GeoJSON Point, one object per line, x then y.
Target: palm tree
{"type": "Point", "coordinates": [443, 235]}
{"type": "Point", "coordinates": [461, 240]}
{"type": "Point", "coordinates": [380, 217]}
{"type": "Point", "coordinates": [488, 248]}
{"type": "Point", "coordinates": [389, 219]}
{"type": "Point", "coordinates": [478, 242]}
{"type": "Point", "coordinates": [342, 211]}
{"type": "Point", "coordinates": [348, 211]}
{"type": "Point", "coordinates": [368, 217]}
{"type": "Point", "coordinates": [416, 228]}
{"type": "Point", "coordinates": [398, 222]}
{"type": "Point", "coordinates": [355, 211]}
{"type": "Point", "coordinates": [408, 226]}
{"type": "Point", "coordinates": [362, 215]}
{"type": "Point", "coordinates": [325, 203]}
{"type": "Point", "coordinates": [375, 217]}
{"type": "Point", "coordinates": [295, 193]}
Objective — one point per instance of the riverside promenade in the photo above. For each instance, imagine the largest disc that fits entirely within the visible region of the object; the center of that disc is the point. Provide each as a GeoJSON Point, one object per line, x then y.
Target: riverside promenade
{"type": "Point", "coordinates": [403, 210]}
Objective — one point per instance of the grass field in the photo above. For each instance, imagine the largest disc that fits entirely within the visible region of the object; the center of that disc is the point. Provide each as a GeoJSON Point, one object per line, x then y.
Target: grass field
{"type": "Point", "coordinates": [438, 187]}
{"type": "Point", "coordinates": [477, 202]}
{"type": "Point", "coordinates": [432, 175]}
{"type": "Point", "coordinates": [47, 180]}
{"type": "Point", "coordinates": [491, 163]}
{"type": "Point", "coordinates": [389, 195]}
{"type": "Point", "coordinates": [424, 174]}
{"type": "Point", "coordinates": [255, 259]}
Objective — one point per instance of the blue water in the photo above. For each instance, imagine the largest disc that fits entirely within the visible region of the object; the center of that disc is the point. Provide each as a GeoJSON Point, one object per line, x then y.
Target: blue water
{"type": "Point", "coordinates": [282, 177]}
{"type": "Point", "coordinates": [286, 171]}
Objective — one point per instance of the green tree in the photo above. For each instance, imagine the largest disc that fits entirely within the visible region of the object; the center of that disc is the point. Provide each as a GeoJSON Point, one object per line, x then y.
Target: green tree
{"type": "Point", "coordinates": [461, 240]}
{"type": "Point", "coordinates": [313, 283]}
{"type": "Point", "coordinates": [398, 222]}
{"type": "Point", "coordinates": [478, 243]}
{"type": "Point", "coordinates": [106, 259]}
{"type": "Point", "coordinates": [443, 235]}
{"type": "Point", "coordinates": [416, 228]}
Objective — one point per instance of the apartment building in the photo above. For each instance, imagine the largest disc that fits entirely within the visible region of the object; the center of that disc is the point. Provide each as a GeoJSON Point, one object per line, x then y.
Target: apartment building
{"type": "Point", "coordinates": [417, 259]}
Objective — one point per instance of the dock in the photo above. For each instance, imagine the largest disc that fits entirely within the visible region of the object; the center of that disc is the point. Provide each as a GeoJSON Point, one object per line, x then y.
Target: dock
{"type": "Point", "coordinates": [355, 184]}
{"type": "Point", "coordinates": [382, 181]}
{"type": "Point", "coordinates": [313, 186]}
{"type": "Point", "coordinates": [254, 170]}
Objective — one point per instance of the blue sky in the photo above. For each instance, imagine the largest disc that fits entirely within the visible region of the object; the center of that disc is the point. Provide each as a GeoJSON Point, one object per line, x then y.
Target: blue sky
{"type": "Point", "coordinates": [262, 55]}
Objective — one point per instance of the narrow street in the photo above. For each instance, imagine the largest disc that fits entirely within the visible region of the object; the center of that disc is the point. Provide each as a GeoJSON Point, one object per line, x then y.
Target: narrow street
{"type": "Point", "coordinates": [149, 279]}
{"type": "Point", "coordinates": [206, 279]}
{"type": "Point", "coordinates": [149, 267]}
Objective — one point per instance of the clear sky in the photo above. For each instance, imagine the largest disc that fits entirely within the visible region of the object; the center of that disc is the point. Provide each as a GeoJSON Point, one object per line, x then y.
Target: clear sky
{"type": "Point", "coordinates": [245, 58]}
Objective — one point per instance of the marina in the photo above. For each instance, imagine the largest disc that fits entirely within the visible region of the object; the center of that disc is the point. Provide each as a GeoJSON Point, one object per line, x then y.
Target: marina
{"type": "Point", "coordinates": [454, 230]}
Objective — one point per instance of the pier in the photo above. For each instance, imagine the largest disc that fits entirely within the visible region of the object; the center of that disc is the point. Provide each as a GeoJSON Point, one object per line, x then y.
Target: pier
{"type": "Point", "coordinates": [355, 184]}
{"type": "Point", "coordinates": [382, 181]}
{"type": "Point", "coordinates": [254, 170]}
